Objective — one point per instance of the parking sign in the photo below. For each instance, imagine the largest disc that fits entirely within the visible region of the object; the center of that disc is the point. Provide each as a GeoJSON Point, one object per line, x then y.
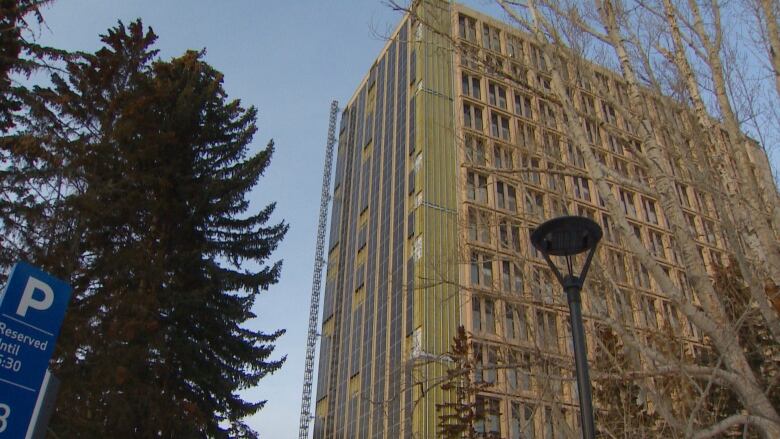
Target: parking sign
{"type": "Point", "coordinates": [32, 307]}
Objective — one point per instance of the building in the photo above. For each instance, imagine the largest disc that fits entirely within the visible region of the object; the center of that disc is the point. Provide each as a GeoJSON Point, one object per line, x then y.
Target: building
{"type": "Point", "coordinates": [446, 159]}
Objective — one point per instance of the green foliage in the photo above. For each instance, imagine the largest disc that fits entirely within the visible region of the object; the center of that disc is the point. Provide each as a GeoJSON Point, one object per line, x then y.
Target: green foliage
{"type": "Point", "coordinates": [142, 170]}
{"type": "Point", "coordinates": [19, 54]}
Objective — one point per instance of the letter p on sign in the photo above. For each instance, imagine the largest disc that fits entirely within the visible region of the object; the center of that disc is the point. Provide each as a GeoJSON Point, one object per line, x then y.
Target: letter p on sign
{"type": "Point", "coordinates": [29, 300]}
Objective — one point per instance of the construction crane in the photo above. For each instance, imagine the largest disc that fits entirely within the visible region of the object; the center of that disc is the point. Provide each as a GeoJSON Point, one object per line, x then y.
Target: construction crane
{"type": "Point", "coordinates": [319, 261]}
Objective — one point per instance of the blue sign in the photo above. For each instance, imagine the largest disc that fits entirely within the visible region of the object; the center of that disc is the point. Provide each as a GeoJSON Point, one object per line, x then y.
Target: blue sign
{"type": "Point", "coordinates": [32, 308]}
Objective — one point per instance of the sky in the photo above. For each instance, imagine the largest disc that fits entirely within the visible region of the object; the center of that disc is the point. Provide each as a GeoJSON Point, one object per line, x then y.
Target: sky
{"type": "Point", "coordinates": [290, 59]}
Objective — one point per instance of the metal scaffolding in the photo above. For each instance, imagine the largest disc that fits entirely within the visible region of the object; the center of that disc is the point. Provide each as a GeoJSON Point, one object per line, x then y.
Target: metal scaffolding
{"type": "Point", "coordinates": [319, 261]}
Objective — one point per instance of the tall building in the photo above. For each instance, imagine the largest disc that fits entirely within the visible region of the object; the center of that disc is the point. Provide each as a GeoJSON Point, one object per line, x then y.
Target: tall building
{"type": "Point", "coordinates": [446, 159]}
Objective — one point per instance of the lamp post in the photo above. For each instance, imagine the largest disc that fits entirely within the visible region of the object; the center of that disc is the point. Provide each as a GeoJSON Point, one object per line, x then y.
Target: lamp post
{"type": "Point", "coordinates": [568, 236]}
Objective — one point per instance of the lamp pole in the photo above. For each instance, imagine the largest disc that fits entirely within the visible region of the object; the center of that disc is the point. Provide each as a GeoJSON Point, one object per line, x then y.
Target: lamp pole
{"type": "Point", "coordinates": [566, 237]}
{"type": "Point", "coordinates": [573, 286]}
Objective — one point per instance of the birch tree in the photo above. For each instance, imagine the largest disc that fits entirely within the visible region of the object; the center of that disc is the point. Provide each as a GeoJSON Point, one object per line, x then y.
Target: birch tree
{"type": "Point", "coordinates": [743, 210]}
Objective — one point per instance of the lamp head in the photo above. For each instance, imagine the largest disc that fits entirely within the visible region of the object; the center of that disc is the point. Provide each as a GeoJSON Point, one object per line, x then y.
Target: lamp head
{"type": "Point", "coordinates": [567, 236]}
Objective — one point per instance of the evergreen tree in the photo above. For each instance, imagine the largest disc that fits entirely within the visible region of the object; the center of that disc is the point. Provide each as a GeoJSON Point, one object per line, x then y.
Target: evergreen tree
{"type": "Point", "coordinates": [19, 54]}
{"type": "Point", "coordinates": [460, 418]}
{"type": "Point", "coordinates": [144, 168]}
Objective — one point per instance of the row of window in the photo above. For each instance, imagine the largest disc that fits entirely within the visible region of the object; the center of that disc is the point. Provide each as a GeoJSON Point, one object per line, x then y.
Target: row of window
{"type": "Point", "coordinates": [535, 108]}
{"type": "Point", "coordinates": [497, 45]}
{"type": "Point", "coordinates": [525, 419]}
{"type": "Point", "coordinates": [518, 131]}
{"type": "Point", "coordinates": [505, 193]}
{"type": "Point", "coordinates": [524, 324]}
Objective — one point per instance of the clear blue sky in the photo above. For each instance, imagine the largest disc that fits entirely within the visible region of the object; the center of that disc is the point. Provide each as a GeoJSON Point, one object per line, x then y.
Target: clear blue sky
{"type": "Point", "coordinates": [290, 59]}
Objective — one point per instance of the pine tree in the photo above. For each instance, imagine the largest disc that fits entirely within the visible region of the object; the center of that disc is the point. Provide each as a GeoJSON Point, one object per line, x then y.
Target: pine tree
{"type": "Point", "coordinates": [460, 417]}
{"type": "Point", "coordinates": [151, 166]}
{"type": "Point", "coordinates": [19, 54]}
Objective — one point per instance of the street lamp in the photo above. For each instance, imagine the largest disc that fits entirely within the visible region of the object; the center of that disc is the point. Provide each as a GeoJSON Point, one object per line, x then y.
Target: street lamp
{"type": "Point", "coordinates": [568, 236]}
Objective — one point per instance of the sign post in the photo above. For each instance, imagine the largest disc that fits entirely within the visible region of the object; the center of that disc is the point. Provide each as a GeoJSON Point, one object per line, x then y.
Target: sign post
{"type": "Point", "coordinates": [32, 308]}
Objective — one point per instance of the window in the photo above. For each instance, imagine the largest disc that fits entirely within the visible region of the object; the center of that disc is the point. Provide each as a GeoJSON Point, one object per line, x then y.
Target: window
{"type": "Point", "coordinates": [486, 358]}
{"type": "Point", "coordinates": [534, 202]}
{"type": "Point", "coordinates": [671, 317]}
{"type": "Point", "coordinates": [547, 114]}
{"type": "Point", "coordinates": [553, 179]}
{"type": "Point", "coordinates": [476, 315]}
{"type": "Point", "coordinates": [649, 312]}
{"type": "Point", "coordinates": [549, 424]}
{"type": "Point", "coordinates": [682, 194]}
{"type": "Point", "coordinates": [624, 306]}
{"type": "Point", "coordinates": [650, 214]}
{"type": "Point", "coordinates": [640, 174]}
{"type": "Point", "coordinates": [547, 330]}
{"type": "Point", "coordinates": [519, 73]}
{"type": "Point", "coordinates": [470, 86]}
{"type": "Point", "coordinates": [709, 231]}
{"type": "Point", "coordinates": [691, 221]}
{"type": "Point", "coordinates": [516, 324]}
{"type": "Point", "coordinates": [497, 95]}
{"type": "Point", "coordinates": [499, 126]}
{"type": "Point", "coordinates": [467, 28]}
{"type": "Point", "coordinates": [523, 106]}
{"type": "Point", "coordinates": [475, 150]}
{"type": "Point", "coordinates": [514, 48]}
{"type": "Point", "coordinates": [615, 144]}
{"type": "Point", "coordinates": [558, 207]}
{"type": "Point", "coordinates": [490, 316]}
{"type": "Point", "coordinates": [511, 277]}
{"type": "Point", "coordinates": [531, 174]}
{"type": "Point", "coordinates": [469, 57]}
{"type": "Point", "coordinates": [641, 275]}
{"type": "Point", "coordinates": [601, 157]}
{"type": "Point", "coordinates": [502, 157]}
{"type": "Point", "coordinates": [521, 424]}
{"type": "Point", "coordinates": [509, 235]}
{"type": "Point", "coordinates": [551, 143]}
{"type": "Point", "coordinates": [544, 83]}
{"type": "Point", "coordinates": [581, 188]}
{"type": "Point", "coordinates": [609, 113]}
{"type": "Point", "coordinates": [476, 187]}
{"type": "Point", "coordinates": [602, 82]}
{"type": "Point", "coordinates": [541, 285]}
{"type": "Point", "coordinates": [618, 264]}
{"type": "Point", "coordinates": [518, 371]}
{"type": "Point", "coordinates": [488, 417]}
{"type": "Point", "coordinates": [621, 167]}
{"type": "Point", "coordinates": [472, 117]}
{"type": "Point", "coordinates": [479, 225]}
{"type": "Point", "coordinates": [525, 135]}
{"type": "Point", "coordinates": [491, 38]}
{"type": "Point", "coordinates": [608, 228]}
{"type": "Point", "coordinates": [627, 200]}
{"type": "Point", "coordinates": [494, 64]}
{"type": "Point", "coordinates": [586, 212]}
{"type": "Point", "coordinates": [575, 156]}
{"type": "Point", "coordinates": [505, 196]}
{"type": "Point", "coordinates": [592, 130]}
{"type": "Point", "coordinates": [656, 244]}
{"type": "Point", "coordinates": [481, 269]}
{"type": "Point", "coordinates": [537, 58]}
{"type": "Point", "coordinates": [588, 104]}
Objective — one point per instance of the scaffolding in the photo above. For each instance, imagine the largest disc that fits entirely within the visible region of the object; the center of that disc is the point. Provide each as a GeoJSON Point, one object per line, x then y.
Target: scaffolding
{"type": "Point", "coordinates": [319, 261]}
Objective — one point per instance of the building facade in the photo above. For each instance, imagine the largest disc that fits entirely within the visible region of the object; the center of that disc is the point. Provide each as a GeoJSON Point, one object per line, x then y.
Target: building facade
{"type": "Point", "coordinates": [450, 151]}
